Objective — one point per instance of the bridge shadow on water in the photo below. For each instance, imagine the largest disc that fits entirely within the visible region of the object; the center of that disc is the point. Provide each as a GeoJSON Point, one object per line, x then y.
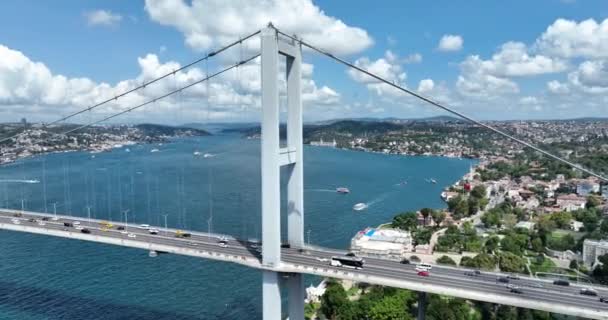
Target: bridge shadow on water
{"type": "Point", "coordinates": [54, 304]}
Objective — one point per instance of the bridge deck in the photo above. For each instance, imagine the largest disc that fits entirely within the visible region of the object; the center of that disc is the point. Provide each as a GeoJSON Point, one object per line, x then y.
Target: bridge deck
{"type": "Point", "coordinates": [538, 294]}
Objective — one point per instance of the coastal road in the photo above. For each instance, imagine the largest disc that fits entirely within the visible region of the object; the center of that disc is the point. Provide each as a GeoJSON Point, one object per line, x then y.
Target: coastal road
{"type": "Point", "coordinates": [537, 293]}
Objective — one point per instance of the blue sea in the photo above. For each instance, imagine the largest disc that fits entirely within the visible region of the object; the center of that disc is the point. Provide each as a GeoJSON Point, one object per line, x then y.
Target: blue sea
{"type": "Point", "coordinates": [47, 278]}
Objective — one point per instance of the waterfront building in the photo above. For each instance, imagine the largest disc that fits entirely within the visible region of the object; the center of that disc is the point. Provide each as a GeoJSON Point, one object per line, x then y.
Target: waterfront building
{"type": "Point", "coordinates": [386, 243]}
{"type": "Point", "coordinates": [322, 143]}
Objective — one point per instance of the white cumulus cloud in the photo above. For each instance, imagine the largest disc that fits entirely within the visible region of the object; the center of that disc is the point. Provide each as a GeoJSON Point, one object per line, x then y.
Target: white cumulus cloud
{"type": "Point", "coordinates": [102, 18]}
{"type": "Point", "coordinates": [450, 42]}
{"type": "Point", "coordinates": [27, 85]}
{"type": "Point", "coordinates": [211, 23]}
{"type": "Point", "coordinates": [568, 39]}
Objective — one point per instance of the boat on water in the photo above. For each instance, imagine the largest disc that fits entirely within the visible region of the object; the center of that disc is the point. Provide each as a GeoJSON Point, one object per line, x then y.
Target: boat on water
{"type": "Point", "coordinates": [154, 150]}
{"type": "Point", "coordinates": [127, 150]}
{"type": "Point", "coordinates": [208, 155]}
{"type": "Point", "coordinates": [433, 180]}
{"type": "Point", "coordinates": [197, 153]}
{"type": "Point", "coordinates": [360, 206]}
{"type": "Point", "coordinates": [342, 190]}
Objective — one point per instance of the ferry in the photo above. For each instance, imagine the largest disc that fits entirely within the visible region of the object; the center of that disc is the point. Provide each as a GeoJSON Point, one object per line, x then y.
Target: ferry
{"type": "Point", "coordinates": [360, 206]}
{"type": "Point", "coordinates": [342, 190]}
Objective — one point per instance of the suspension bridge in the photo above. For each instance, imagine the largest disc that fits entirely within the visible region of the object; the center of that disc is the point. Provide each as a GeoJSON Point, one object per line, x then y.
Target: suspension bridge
{"type": "Point", "coordinates": [284, 265]}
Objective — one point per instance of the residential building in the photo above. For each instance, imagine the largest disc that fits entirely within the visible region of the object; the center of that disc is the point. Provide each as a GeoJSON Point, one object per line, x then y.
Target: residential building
{"type": "Point", "coordinates": [592, 249]}
{"type": "Point", "coordinates": [570, 202]}
{"type": "Point", "coordinates": [585, 187]}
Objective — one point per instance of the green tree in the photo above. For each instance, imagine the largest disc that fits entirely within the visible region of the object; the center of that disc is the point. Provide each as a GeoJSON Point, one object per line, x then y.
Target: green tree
{"type": "Point", "coordinates": [573, 264]}
{"type": "Point", "coordinates": [492, 244]}
{"type": "Point", "coordinates": [562, 219]}
{"type": "Point", "coordinates": [405, 221]}
{"type": "Point", "coordinates": [392, 307]}
{"type": "Point", "coordinates": [510, 262]}
{"type": "Point", "coordinates": [592, 202]}
{"type": "Point", "coordinates": [478, 192]}
{"type": "Point", "coordinates": [426, 212]}
{"type": "Point", "coordinates": [446, 260]}
{"type": "Point", "coordinates": [441, 308]}
{"type": "Point", "coordinates": [506, 313]}
{"type": "Point", "coordinates": [333, 300]}
{"type": "Point", "coordinates": [492, 218]}
{"type": "Point", "coordinates": [438, 216]}
{"type": "Point", "coordinates": [600, 272]}
{"type": "Point", "coordinates": [604, 227]}
{"type": "Point", "coordinates": [423, 236]}
{"type": "Point", "coordinates": [537, 245]}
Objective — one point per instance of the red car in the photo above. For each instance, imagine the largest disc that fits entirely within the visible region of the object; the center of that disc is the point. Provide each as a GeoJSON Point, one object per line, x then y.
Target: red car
{"type": "Point", "coordinates": [423, 273]}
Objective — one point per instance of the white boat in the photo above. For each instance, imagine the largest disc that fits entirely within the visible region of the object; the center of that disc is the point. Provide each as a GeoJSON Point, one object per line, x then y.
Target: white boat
{"type": "Point", "coordinates": [342, 190]}
{"type": "Point", "coordinates": [154, 150]}
{"type": "Point", "coordinates": [433, 180]}
{"type": "Point", "coordinates": [127, 150]}
{"type": "Point", "coordinates": [153, 254]}
{"type": "Point", "coordinates": [360, 206]}
{"type": "Point", "coordinates": [197, 153]}
{"type": "Point", "coordinates": [208, 155]}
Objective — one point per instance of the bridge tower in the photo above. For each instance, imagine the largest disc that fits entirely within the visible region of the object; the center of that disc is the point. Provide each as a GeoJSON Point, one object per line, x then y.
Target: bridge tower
{"type": "Point", "coordinates": [272, 159]}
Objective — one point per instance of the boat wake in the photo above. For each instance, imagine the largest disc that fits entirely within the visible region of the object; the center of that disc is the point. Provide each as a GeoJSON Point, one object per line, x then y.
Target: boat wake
{"type": "Point", "coordinates": [380, 198]}
{"type": "Point", "coordinates": [322, 190]}
{"type": "Point", "coordinates": [19, 181]}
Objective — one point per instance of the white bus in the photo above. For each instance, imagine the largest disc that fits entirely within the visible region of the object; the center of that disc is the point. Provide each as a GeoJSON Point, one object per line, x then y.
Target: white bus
{"type": "Point", "coordinates": [347, 262]}
{"type": "Point", "coordinates": [423, 267]}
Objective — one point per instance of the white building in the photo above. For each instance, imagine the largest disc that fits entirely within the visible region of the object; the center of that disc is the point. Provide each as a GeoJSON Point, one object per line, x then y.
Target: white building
{"type": "Point", "coordinates": [593, 249]}
{"type": "Point", "coordinates": [313, 294]}
{"type": "Point", "coordinates": [571, 202]}
{"type": "Point", "coordinates": [585, 187]}
{"type": "Point", "coordinates": [386, 243]}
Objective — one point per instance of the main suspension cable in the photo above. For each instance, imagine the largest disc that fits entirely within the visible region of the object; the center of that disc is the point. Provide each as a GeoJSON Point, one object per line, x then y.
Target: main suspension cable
{"type": "Point", "coordinates": [143, 85]}
{"type": "Point", "coordinates": [445, 108]}
{"type": "Point", "coordinates": [163, 96]}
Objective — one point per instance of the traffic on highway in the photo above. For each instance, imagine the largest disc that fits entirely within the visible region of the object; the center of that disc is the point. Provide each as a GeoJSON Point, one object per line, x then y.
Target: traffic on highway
{"type": "Point", "coordinates": [558, 291]}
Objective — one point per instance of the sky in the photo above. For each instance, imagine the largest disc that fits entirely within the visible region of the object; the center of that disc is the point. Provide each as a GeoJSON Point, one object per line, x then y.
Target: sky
{"type": "Point", "coordinates": [542, 59]}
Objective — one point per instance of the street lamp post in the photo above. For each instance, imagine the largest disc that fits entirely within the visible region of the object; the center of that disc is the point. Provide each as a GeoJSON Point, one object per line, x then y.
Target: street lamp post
{"type": "Point", "coordinates": [308, 234]}
{"type": "Point", "coordinates": [166, 230]}
{"type": "Point", "coordinates": [126, 225]}
{"type": "Point", "coordinates": [89, 214]}
{"type": "Point", "coordinates": [55, 218]}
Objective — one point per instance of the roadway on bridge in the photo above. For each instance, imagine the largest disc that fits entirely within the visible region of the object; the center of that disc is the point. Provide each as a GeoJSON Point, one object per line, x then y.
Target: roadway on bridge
{"type": "Point", "coordinates": [318, 259]}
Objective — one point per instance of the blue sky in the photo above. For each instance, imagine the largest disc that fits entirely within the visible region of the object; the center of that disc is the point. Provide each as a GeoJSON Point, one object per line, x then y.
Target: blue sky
{"type": "Point", "coordinates": [549, 55]}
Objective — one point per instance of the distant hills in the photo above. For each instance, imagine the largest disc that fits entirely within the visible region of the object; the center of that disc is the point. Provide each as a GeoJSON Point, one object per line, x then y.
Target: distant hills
{"type": "Point", "coordinates": [150, 129]}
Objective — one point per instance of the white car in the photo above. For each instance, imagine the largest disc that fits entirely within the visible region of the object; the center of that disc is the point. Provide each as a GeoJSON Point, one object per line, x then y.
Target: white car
{"type": "Point", "coordinates": [76, 223]}
{"type": "Point", "coordinates": [16, 221]}
{"type": "Point", "coordinates": [144, 226]}
{"type": "Point", "coordinates": [322, 259]}
{"type": "Point", "coordinates": [153, 231]}
{"type": "Point", "coordinates": [131, 235]}
{"type": "Point", "coordinates": [41, 223]}
{"type": "Point", "coordinates": [77, 227]}
{"type": "Point", "coordinates": [223, 244]}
